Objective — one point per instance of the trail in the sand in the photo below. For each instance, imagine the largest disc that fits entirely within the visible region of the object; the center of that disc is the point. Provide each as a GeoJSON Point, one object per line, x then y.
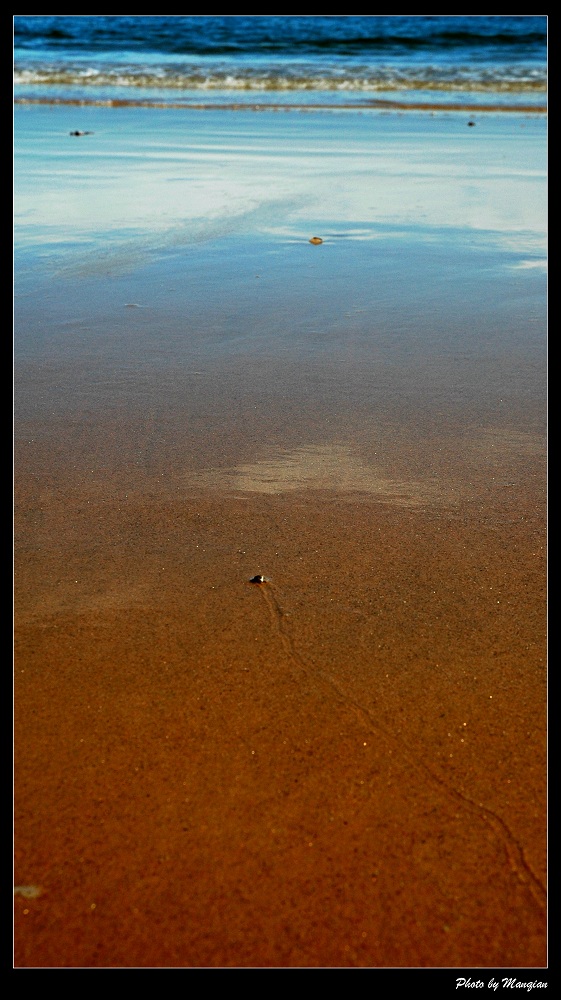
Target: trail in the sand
{"type": "Point", "coordinates": [514, 851]}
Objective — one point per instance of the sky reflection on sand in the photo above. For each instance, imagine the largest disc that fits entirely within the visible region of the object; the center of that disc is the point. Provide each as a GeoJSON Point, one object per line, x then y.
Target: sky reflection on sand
{"type": "Point", "coordinates": [199, 172]}
{"type": "Point", "coordinates": [321, 467]}
{"type": "Point", "coordinates": [337, 468]}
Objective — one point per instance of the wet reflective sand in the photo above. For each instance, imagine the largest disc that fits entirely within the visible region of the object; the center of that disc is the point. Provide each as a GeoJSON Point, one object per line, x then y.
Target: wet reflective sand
{"type": "Point", "coordinates": [345, 765]}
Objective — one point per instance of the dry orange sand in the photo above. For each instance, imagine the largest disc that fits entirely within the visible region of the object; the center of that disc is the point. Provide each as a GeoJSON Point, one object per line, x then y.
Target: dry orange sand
{"type": "Point", "coordinates": [344, 766]}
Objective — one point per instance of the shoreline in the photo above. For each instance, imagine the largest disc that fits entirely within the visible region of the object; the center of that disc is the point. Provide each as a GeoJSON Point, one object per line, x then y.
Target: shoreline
{"type": "Point", "coordinates": [368, 105]}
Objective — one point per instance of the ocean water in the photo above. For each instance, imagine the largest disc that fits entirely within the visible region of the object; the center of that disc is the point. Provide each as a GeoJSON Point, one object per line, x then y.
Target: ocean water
{"type": "Point", "coordinates": [283, 60]}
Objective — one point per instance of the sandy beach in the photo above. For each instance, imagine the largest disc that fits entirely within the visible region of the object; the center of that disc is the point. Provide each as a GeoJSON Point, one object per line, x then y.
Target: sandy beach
{"type": "Point", "coordinates": [345, 765]}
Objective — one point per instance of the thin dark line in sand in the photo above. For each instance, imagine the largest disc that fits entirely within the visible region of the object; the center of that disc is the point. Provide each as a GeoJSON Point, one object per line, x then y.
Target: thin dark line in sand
{"type": "Point", "coordinates": [514, 851]}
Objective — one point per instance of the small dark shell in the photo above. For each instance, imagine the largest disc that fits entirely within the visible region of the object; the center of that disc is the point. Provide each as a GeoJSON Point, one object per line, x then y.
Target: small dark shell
{"type": "Point", "coordinates": [257, 579]}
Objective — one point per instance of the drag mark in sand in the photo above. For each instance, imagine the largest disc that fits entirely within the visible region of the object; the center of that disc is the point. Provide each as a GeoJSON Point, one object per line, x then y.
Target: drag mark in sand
{"type": "Point", "coordinates": [515, 853]}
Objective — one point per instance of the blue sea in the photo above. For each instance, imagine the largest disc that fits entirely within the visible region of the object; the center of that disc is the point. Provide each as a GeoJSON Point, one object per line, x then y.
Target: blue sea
{"type": "Point", "coordinates": [417, 61]}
